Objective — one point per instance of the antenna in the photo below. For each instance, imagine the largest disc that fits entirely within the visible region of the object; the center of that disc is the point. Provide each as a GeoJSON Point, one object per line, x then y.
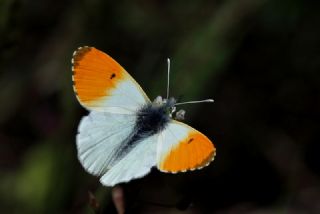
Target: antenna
{"type": "Point", "coordinates": [197, 101]}
{"type": "Point", "coordinates": [168, 83]}
{"type": "Point", "coordinates": [189, 102]}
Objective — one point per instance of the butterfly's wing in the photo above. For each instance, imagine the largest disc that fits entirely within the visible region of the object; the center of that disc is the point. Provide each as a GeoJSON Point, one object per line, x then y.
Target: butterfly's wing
{"type": "Point", "coordinates": [113, 97]}
{"type": "Point", "coordinates": [101, 84]}
{"type": "Point", "coordinates": [135, 164]}
{"type": "Point", "coordinates": [100, 137]}
{"type": "Point", "coordinates": [102, 151]}
{"type": "Point", "coordinates": [181, 148]}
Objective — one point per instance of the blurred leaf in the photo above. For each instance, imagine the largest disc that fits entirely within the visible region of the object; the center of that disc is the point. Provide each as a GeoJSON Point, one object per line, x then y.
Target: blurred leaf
{"type": "Point", "coordinates": [41, 181]}
{"type": "Point", "coordinates": [11, 93]}
{"type": "Point", "coordinates": [5, 6]}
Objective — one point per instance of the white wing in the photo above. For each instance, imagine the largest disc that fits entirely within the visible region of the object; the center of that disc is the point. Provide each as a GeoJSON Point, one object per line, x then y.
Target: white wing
{"type": "Point", "coordinates": [137, 163]}
{"type": "Point", "coordinates": [99, 138]}
{"type": "Point", "coordinates": [126, 98]}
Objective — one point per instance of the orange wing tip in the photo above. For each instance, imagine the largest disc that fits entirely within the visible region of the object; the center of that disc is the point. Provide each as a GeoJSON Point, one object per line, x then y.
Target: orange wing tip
{"type": "Point", "coordinates": [95, 75]}
{"type": "Point", "coordinates": [205, 163]}
{"type": "Point", "coordinates": [79, 54]}
{"type": "Point", "coordinates": [181, 157]}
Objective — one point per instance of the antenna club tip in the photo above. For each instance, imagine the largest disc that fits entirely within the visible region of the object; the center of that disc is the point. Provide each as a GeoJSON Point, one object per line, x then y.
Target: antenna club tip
{"type": "Point", "coordinates": [211, 100]}
{"type": "Point", "coordinates": [168, 59]}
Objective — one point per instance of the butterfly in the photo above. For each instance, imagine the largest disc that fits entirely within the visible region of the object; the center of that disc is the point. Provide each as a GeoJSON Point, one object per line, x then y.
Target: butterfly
{"type": "Point", "coordinates": [125, 134]}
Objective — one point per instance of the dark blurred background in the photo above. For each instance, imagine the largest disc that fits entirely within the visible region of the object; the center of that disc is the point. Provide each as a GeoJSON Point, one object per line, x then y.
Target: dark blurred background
{"type": "Point", "coordinates": [259, 60]}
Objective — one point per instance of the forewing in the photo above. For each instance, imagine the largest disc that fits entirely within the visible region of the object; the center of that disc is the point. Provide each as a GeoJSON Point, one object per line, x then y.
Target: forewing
{"type": "Point", "coordinates": [181, 147]}
{"type": "Point", "coordinates": [101, 84]}
{"type": "Point", "coordinates": [99, 138]}
{"type": "Point", "coordinates": [135, 164]}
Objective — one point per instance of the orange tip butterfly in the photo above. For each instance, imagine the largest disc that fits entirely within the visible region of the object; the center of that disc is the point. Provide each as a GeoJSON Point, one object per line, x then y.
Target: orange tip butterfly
{"type": "Point", "coordinates": [125, 134]}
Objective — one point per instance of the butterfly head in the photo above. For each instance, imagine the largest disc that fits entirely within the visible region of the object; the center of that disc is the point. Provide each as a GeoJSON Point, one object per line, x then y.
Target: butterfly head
{"type": "Point", "coordinates": [168, 105]}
